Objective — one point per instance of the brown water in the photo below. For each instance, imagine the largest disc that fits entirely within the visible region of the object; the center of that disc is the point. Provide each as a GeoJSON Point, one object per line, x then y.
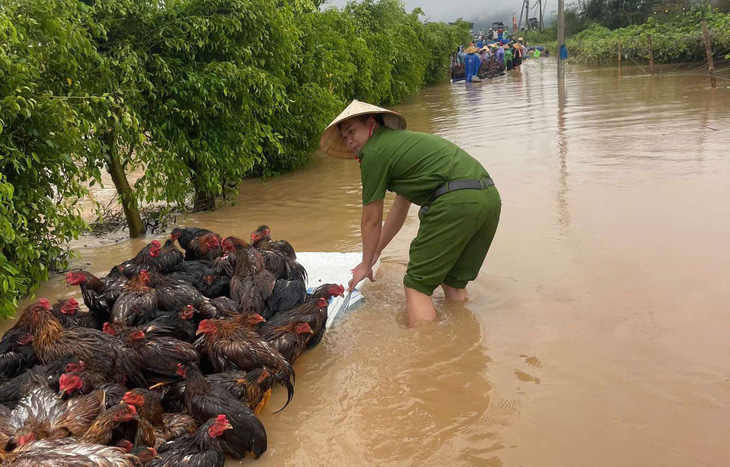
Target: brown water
{"type": "Point", "coordinates": [597, 331]}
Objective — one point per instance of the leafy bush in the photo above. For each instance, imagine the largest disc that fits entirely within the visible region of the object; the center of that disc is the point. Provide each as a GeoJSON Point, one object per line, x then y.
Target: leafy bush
{"type": "Point", "coordinates": [676, 37]}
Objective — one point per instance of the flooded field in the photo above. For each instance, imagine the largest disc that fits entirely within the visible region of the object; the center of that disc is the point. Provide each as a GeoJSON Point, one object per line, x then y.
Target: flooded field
{"type": "Point", "coordinates": [597, 331]}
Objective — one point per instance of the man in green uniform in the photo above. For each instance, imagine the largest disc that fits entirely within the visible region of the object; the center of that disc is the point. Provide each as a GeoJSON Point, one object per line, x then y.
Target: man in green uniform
{"type": "Point", "coordinates": [460, 205]}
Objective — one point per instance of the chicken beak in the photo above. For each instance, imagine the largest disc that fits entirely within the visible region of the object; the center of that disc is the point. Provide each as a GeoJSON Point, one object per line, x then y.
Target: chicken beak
{"type": "Point", "coordinates": [198, 332]}
{"type": "Point", "coordinates": [228, 427]}
{"type": "Point", "coordinates": [311, 331]}
{"type": "Point", "coordinates": [158, 385]}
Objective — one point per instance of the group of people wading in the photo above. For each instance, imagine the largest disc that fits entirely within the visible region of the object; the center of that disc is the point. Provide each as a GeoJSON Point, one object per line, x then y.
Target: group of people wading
{"type": "Point", "coordinates": [487, 60]}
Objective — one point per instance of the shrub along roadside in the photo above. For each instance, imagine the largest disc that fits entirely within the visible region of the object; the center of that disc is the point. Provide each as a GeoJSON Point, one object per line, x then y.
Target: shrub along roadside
{"type": "Point", "coordinates": [200, 93]}
{"type": "Point", "coordinates": [676, 38]}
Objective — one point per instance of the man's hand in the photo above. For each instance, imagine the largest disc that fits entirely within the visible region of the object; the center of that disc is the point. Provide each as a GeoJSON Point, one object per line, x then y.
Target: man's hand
{"type": "Point", "coordinates": [359, 273]}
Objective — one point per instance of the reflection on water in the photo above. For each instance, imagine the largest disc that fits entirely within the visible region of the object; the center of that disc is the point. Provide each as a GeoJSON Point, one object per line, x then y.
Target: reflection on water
{"type": "Point", "coordinates": [597, 331]}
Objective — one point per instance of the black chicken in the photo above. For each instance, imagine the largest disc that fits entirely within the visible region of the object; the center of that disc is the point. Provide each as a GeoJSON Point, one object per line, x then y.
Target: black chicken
{"type": "Point", "coordinates": [16, 353]}
{"type": "Point", "coordinates": [99, 294]}
{"type": "Point", "coordinates": [205, 400]}
{"type": "Point", "coordinates": [184, 235]}
{"type": "Point", "coordinates": [204, 448]}
{"type": "Point", "coordinates": [285, 296]}
{"type": "Point", "coordinates": [161, 355]}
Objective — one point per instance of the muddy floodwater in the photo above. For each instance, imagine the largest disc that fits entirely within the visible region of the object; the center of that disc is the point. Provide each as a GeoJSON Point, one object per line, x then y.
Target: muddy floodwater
{"type": "Point", "coordinates": [597, 332]}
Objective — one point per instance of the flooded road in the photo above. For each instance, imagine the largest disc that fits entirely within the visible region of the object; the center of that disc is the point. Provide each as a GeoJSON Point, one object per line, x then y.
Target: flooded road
{"type": "Point", "coordinates": [597, 331]}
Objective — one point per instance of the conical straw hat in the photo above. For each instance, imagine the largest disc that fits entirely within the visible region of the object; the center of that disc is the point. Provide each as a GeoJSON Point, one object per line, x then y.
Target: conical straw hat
{"type": "Point", "coordinates": [332, 142]}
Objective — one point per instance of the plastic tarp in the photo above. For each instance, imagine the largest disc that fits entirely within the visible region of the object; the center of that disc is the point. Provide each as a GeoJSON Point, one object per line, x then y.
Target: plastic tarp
{"type": "Point", "coordinates": [333, 267]}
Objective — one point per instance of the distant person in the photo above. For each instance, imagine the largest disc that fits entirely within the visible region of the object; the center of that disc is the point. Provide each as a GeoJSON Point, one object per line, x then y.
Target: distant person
{"type": "Point", "coordinates": [508, 56]}
{"type": "Point", "coordinates": [471, 63]}
{"type": "Point", "coordinates": [460, 207]}
{"type": "Point", "coordinates": [518, 54]}
{"type": "Point", "coordinates": [500, 34]}
{"type": "Point", "coordinates": [460, 55]}
{"type": "Point", "coordinates": [499, 53]}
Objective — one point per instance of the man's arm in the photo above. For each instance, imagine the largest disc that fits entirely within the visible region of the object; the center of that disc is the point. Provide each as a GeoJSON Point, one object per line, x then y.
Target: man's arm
{"type": "Point", "coordinates": [393, 223]}
{"type": "Point", "coordinates": [370, 228]}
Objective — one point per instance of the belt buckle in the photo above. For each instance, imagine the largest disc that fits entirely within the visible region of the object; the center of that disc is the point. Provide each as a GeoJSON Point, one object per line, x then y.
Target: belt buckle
{"type": "Point", "coordinates": [482, 184]}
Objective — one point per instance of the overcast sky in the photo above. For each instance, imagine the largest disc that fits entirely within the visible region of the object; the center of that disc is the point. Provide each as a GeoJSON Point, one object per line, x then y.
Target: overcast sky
{"type": "Point", "coordinates": [478, 11]}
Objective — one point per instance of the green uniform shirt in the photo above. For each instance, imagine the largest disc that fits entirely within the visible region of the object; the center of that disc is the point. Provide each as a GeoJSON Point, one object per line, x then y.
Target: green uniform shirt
{"type": "Point", "coordinates": [412, 165]}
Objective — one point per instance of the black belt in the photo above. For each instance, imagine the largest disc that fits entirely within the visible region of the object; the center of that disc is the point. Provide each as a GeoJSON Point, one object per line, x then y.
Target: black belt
{"type": "Point", "coordinates": [456, 185]}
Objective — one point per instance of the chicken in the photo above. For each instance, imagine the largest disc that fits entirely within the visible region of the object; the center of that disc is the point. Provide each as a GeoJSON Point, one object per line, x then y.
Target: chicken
{"type": "Point", "coordinates": [170, 257]}
{"type": "Point", "coordinates": [52, 342]}
{"type": "Point", "coordinates": [207, 247]}
{"type": "Point", "coordinates": [146, 260]}
{"type": "Point", "coordinates": [184, 235]}
{"type": "Point", "coordinates": [102, 430]}
{"type": "Point", "coordinates": [41, 414]}
{"type": "Point", "coordinates": [251, 284]}
{"type": "Point", "coordinates": [136, 294]}
{"type": "Point", "coordinates": [16, 353]}
{"type": "Point", "coordinates": [290, 340]}
{"type": "Point", "coordinates": [205, 400]}
{"type": "Point", "coordinates": [285, 296]}
{"type": "Point", "coordinates": [231, 345]}
{"type": "Point", "coordinates": [181, 324]}
{"type": "Point", "coordinates": [204, 448]}
{"type": "Point", "coordinates": [313, 311]}
{"type": "Point", "coordinates": [219, 307]}
{"type": "Point", "coordinates": [145, 454]}
{"type": "Point", "coordinates": [99, 294]}
{"type": "Point", "coordinates": [261, 238]}
{"type": "Point", "coordinates": [12, 390]}
{"type": "Point", "coordinates": [80, 378]}
{"type": "Point", "coordinates": [161, 355]}
{"type": "Point", "coordinates": [173, 295]}
{"type": "Point", "coordinates": [155, 427]}
{"type": "Point", "coordinates": [67, 452]}
{"type": "Point", "coordinates": [253, 388]}
{"type": "Point", "coordinates": [68, 314]}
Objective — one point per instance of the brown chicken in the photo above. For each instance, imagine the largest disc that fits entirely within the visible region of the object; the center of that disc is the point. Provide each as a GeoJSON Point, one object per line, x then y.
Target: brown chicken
{"type": "Point", "coordinates": [102, 430]}
{"type": "Point", "coordinates": [253, 388]}
{"type": "Point", "coordinates": [230, 346]}
{"type": "Point", "coordinates": [52, 342]}
{"type": "Point", "coordinates": [251, 284]}
{"type": "Point", "coordinates": [313, 311]}
{"type": "Point", "coordinates": [207, 247]}
{"type": "Point", "coordinates": [290, 340]}
{"type": "Point", "coordinates": [67, 313]}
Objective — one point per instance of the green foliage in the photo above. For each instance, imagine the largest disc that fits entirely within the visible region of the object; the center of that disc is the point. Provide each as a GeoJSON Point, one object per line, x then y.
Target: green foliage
{"type": "Point", "coordinates": [46, 56]}
{"type": "Point", "coordinates": [676, 37]}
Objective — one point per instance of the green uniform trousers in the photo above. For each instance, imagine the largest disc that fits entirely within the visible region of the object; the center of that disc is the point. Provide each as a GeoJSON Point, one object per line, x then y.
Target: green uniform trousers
{"type": "Point", "coordinates": [453, 239]}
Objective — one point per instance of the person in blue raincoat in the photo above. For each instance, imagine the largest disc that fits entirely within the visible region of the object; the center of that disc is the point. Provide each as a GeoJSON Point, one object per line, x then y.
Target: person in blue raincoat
{"type": "Point", "coordinates": [471, 63]}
